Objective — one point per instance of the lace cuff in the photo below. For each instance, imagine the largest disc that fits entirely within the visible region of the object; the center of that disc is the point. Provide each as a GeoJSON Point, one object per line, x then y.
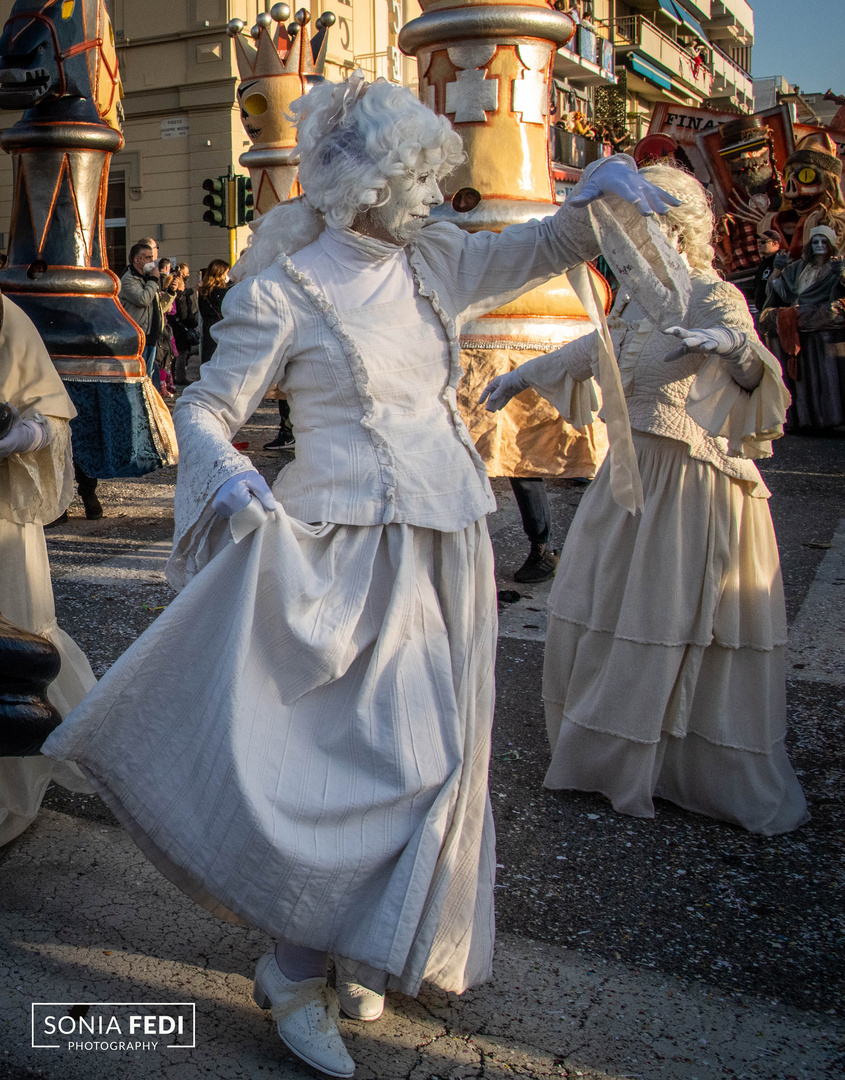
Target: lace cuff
{"type": "Point", "coordinates": [208, 460]}
{"type": "Point", "coordinates": [749, 420]}
{"type": "Point", "coordinates": [37, 486]}
{"type": "Point", "coordinates": [577, 400]}
{"type": "Point", "coordinates": [564, 377]}
{"type": "Point", "coordinates": [575, 226]}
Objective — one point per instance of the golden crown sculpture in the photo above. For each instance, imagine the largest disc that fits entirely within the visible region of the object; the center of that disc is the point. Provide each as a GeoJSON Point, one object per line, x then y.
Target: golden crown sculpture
{"type": "Point", "coordinates": [278, 68]}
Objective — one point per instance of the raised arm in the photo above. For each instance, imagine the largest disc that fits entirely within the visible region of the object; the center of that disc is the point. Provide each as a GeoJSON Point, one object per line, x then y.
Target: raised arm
{"type": "Point", "coordinates": [481, 271]}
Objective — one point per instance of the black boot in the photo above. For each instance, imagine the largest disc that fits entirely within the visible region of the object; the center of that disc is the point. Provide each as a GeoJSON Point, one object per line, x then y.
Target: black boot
{"type": "Point", "coordinates": [87, 488]}
{"type": "Point", "coordinates": [540, 565]}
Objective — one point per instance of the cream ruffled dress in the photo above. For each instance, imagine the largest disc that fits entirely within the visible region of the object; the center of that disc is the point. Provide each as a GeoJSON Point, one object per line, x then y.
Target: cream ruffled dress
{"type": "Point", "coordinates": [664, 666]}
{"type": "Point", "coordinates": [34, 489]}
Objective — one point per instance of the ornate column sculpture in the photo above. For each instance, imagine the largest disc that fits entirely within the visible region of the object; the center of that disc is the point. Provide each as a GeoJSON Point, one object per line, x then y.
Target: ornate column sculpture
{"type": "Point", "coordinates": [277, 69]}
{"type": "Point", "coordinates": [58, 62]}
{"type": "Point", "coordinates": [486, 65]}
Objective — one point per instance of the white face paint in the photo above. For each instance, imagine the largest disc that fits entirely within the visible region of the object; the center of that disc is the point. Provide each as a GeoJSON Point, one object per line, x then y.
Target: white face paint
{"type": "Point", "coordinates": [818, 245]}
{"type": "Point", "coordinates": [412, 195]}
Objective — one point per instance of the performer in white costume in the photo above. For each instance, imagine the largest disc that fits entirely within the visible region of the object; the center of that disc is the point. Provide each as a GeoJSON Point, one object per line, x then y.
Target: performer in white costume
{"type": "Point", "coordinates": [664, 670]}
{"type": "Point", "coordinates": [315, 761]}
{"type": "Point", "coordinates": [36, 485]}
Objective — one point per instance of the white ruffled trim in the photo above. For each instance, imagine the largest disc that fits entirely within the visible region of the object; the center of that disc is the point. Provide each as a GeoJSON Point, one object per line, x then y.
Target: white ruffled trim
{"type": "Point", "coordinates": [37, 486]}
{"type": "Point", "coordinates": [289, 227]}
{"type": "Point", "coordinates": [360, 377]}
{"type": "Point", "coordinates": [456, 371]}
{"type": "Point", "coordinates": [209, 461]}
{"type": "Point", "coordinates": [577, 400]}
{"type": "Point", "coordinates": [748, 420]}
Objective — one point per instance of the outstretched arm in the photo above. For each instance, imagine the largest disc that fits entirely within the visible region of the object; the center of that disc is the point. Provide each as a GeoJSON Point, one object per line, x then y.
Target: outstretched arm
{"type": "Point", "coordinates": [563, 377]}
{"type": "Point", "coordinates": [483, 270]}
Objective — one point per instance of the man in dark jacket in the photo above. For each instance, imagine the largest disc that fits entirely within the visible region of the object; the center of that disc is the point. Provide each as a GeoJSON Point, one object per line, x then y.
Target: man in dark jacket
{"type": "Point", "coordinates": [768, 245]}
{"type": "Point", "coordinates": [140, 296]}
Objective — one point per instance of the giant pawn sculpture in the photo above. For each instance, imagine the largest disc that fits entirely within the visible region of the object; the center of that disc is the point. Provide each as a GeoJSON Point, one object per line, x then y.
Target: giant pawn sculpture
{"type": "Point", "coordinates": [277, 69]}
{"type": "Point", "coordinates": [486, 66]}
{"type": "Point", "coordinates": [58, 63]}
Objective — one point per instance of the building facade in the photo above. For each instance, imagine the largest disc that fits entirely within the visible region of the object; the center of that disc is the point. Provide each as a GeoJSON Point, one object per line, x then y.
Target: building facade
{"type": "Point", "coordinates": [628, 55]}
{"type": "Point", "coordinates": [179, 73]}
{"type": "Point", "coordinates": [182, 125]}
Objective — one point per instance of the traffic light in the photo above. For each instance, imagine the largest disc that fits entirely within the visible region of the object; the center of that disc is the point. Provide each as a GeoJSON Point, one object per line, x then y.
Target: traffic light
{"type": "Point", "coordinates": [216, 200]}
{"type": "Point", "coordinates": [245, 204]}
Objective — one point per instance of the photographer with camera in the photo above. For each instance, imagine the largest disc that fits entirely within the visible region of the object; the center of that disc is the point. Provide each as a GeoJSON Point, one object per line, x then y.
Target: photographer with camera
{"type": "Point", "coordinates": [140, 296]}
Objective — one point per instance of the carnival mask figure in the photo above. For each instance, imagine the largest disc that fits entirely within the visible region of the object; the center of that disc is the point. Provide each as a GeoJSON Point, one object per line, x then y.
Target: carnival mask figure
{"type": "Point", "coordinates": [812, 194]}
{"type": "Point", "coordinates": [61, 49]}
{"type": "Point", "coordinates": [805, 318]}
{"type": "Point", "coordinates": [277, 64]}
{"type": "Point", "coordinates": [747, 151]}
{"type": "Point", "coordinates": [821, 248]}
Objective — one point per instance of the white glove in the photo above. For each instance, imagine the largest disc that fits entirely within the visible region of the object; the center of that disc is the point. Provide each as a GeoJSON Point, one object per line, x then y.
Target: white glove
{"type": "Point", "coordinates": [731, 345]}
{"type": "Point", "coordinates": [22, 437]}
{"type": "Point", "coordinates": [619, 179]}
{"type": "Point", "coordinates": [498, 392]}
{"type": "Point", "coordinates": [236, 492]}
{"type": "Point", "coordinates": [717, 339]}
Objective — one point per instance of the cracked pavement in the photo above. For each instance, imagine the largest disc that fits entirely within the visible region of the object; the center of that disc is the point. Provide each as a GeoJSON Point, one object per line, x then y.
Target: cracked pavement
{"type": "Point", "coordinates": [672, 949]}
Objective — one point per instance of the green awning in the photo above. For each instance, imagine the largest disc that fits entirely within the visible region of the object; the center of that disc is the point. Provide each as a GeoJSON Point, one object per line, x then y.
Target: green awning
{"type": "Point", "coordinates": [692, 24]}
{"type": "Point", "coordinates": [648, 71]}
{"type": "Point", "coordinates": [668, 8]}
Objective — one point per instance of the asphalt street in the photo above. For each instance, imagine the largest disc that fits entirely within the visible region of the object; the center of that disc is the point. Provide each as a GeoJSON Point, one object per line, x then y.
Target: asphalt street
{"type": "Point", "coordinates": [680, 897]}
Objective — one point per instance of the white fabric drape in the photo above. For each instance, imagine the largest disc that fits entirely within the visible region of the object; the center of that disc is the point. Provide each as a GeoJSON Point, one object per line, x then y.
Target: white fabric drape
{"type": "Point", "coordinates": [338, 742]}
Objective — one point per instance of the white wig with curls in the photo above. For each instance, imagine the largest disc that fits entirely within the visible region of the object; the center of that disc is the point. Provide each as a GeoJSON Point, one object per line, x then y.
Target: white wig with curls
{"type": "Point", "coordinates": [692, 221]}
{"type": "Point", "coordinates": [355, 136]}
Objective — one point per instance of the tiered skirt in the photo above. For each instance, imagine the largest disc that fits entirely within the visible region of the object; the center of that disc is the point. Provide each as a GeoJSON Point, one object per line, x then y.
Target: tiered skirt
{"type": "Point", "coordinates": [664, 670]}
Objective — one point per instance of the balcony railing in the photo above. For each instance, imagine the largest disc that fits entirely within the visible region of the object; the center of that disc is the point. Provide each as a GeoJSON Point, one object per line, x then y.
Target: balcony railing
{"type": "Point", "coordinates": [631, 32]}
{"type": "Point", "coordinates": [719, 53]}
{"type": "Point", "coordinates": [391, 65]}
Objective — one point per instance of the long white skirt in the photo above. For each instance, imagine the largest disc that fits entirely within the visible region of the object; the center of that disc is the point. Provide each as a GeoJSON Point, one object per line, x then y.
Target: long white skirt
{"type": "Point", "coordinates": [302, 739]}
{"type": "Point", "coordinates": [664, 668]}
{"type": "Point", "coordinates": [26, 599]}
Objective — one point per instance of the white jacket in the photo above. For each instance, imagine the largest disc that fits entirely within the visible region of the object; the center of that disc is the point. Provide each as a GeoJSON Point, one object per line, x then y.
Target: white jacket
{"type": "Point", "coordinates": [367, 453]}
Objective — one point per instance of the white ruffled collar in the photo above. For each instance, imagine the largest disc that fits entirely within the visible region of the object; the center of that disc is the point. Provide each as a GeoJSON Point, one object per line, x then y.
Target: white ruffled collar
{"type": "Point", "coordinates": [355, 251]}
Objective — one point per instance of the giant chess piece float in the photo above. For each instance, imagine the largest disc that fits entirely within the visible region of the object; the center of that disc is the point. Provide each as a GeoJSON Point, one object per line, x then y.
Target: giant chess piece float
{"type": "Point", "coordinates": [486, 66]}
{"type": "Point", "coordinates": [277, 69]}
{"type": "Point", "coordinates": [58, 63]}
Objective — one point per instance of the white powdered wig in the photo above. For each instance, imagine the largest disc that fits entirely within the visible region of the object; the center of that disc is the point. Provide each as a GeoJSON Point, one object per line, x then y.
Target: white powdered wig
{"type": "Point", "coordinates": [692, 221]}
{"type": "Point", "coordinates": [354, 136]}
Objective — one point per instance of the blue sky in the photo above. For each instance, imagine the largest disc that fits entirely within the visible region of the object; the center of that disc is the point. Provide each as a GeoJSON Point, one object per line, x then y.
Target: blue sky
{"type": "Point", "coordinates": [803, 40]}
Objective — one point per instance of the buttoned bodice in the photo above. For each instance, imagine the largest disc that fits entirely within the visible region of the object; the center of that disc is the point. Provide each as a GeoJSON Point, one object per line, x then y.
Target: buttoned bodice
{"type": "Point", "coordinates": [371, 385]}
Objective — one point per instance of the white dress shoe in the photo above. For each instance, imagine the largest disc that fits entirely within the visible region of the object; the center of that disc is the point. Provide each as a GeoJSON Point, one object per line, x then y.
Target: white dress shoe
{"type": "Point", "coordinates": [306, 1017]}
{"type": "Point", "coordinates": [357, 1002]}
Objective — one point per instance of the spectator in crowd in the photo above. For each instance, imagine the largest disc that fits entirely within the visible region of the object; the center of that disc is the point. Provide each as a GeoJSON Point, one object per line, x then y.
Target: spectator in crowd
{"type": "Point", "coordinates": [164, 266]}
{"type": "Point", "coordinates": [166, 352]}
{"type": "Point", "coordinates": [805, 321]}
{"type": "Point", "coordinates": [285, 439]}
{"type": "Point", "coordinates": [768, 245]}
{"type": "Point", "coordinates": [140, 295]}
{"type": "Point", "coordinates": [183, 319]}
{"type": "Point", "coordinates": [215, 285]}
